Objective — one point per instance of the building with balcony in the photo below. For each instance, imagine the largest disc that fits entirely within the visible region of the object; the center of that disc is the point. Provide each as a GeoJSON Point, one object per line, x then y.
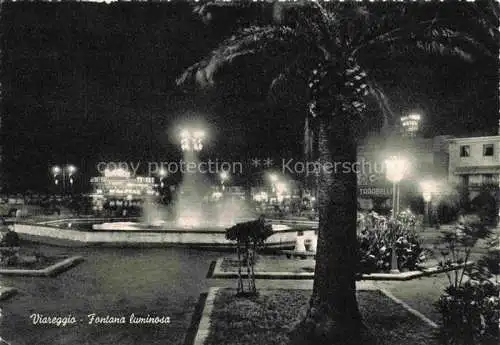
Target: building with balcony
{"type": "Point", "coordinates": [474, 165]}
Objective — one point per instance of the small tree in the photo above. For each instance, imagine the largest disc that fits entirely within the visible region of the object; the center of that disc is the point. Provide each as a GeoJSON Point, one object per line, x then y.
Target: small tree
{"type": "Point", "coordinates": [470, 306]}
{"type": "Point", "coordinates": [249, 237]}
{"type": "Point", "coordinates": [457, 248]}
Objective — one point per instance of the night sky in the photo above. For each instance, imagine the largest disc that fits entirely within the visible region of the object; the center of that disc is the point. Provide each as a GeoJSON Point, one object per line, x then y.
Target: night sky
{"type": "Point", "coordinates": [83, 83]}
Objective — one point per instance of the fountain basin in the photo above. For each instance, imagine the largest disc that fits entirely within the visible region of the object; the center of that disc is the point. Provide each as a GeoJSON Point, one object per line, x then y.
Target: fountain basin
{"type": "Point", "coordinates": [159, 225]}
{"type": "Point", "coordinates": [138, 234]}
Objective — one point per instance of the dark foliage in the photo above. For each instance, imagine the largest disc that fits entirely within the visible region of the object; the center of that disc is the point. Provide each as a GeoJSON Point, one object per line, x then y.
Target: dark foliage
{"type": "Point", "coordinates": [377, 241]}
{"type": "Point", "coordinates": [249, 237]}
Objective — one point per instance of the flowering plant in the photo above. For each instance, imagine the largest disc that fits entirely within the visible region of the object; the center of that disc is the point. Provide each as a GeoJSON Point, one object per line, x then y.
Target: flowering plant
{"type": "Point", "coordinates": [381, 236]}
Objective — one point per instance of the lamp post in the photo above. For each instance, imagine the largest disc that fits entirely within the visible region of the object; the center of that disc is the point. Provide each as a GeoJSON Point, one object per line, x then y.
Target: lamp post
{"type": "Point", "coordinates": [281, 190]}
{"type": "Point", "coordinates": [67, 173]}
{"type": "Point", "coordinates": [274, 182]}
{"type": "Point", "coordinates": [162, 173]}
{"type": "Point", "coordinates": [395, 170]}
{"type": "Point", "coordinates": [224, 176]}
{"type": "Point", "coordinates": [427, 188]}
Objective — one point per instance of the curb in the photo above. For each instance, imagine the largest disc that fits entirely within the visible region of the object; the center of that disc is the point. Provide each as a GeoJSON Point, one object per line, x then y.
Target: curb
{"type": "Point", "coordinates": [50, 271]}
{"type": "Point", "coordinates": [204, 326]}
{"type": "Point", "coordinates": [195, 319]}
{"type": "Point", "coordinates": [211, 269]}
{"type": "Point", "coordinates": [6, 292]}
{"type": "Point", "coordinates": [218, 273]}
{"type": "Point", "coordinates": [410, 309]}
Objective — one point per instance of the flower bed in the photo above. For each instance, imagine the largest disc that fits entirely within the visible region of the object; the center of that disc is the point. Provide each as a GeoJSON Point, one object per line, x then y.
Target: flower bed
{"type": "Point", "coordinates": [30, 261]}
{"type": "Point", "coordinates": [381, 236]}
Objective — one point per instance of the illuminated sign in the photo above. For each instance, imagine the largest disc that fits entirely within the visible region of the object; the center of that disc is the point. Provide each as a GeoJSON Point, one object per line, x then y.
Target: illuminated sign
{"type": "Point", "coordinates": [116, 173]}
{"type": "Point", "coordinates": [375, 191]}
{"type": "Point", "coordinates": [120, 185]}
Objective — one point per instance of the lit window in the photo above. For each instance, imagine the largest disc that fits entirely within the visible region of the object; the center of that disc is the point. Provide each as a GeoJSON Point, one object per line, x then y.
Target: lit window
{"type": "Point", "coordinates": [464, 151]}
{"type": "Point", "coordinates": [488, 150]}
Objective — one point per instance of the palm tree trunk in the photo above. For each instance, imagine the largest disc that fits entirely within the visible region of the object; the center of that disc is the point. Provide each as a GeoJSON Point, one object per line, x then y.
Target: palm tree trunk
{"type": "Point", "coordinates": [333, 316]}
{"type": "Point", "coordinates": [240, 279]}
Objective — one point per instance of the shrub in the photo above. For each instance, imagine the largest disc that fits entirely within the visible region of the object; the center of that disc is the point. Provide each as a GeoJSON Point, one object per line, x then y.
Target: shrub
{"type": "Point", "coordinates": [11, 260]}
{"type": "Point", "coordinates": [249, 236]}
{"type": "Point", "coordinates": [470, 308]}
{"type": "Point", "coordinates": [381, 235]}
{"type": "Point", "coordinates": [470, 314]}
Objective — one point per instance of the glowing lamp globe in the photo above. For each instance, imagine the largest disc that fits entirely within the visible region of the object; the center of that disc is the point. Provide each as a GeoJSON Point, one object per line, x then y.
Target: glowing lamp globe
{"type": "Point", "coordinates": [395, 169]}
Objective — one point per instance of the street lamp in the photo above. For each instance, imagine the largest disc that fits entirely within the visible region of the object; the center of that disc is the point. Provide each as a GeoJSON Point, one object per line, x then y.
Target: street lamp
{"type": "Point", "coordinates": [427, 188]}
{"type": "Point", "coordinates": [274, 181]}
{"type": "Point", "coordinates": [273, 178]}
{"type": "Point", "coordinates": [281, 190]}
{"type": "Point", "coordinates": [192, 140]}
{"type": "Point", "coordinates": [67, 174]}
{"type": "Point", "coordinates": [162, 173]}
{"type": "Point", "coordinates": [224, 176]}
{"type": "Point", "coordinates": [395, 170]}
{"type": "Point", "coordinates": [55, 171]}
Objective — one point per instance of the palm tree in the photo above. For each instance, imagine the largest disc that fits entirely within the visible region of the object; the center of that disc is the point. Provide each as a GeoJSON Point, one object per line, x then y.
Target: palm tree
{"type": "Point", "coordinates": [329, 48]}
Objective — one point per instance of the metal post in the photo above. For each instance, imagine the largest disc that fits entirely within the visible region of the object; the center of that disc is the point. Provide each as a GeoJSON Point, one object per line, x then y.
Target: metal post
{"type": "Point", "coordinates": [63, 181]}
{"type": "Point", "coordinates": [394, 259]}
{"type": "Point", "coordinates": [428, 210]}
{"type": "Point", "coordinates": [394, 200]}
{"type": "Point", "coordinates": [426, 214]}
{"type": "Point", "coordinates": [397, 199]}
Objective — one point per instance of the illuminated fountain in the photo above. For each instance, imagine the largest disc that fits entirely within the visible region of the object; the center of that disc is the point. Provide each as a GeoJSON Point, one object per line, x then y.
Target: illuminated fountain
{"type": "Point", "coordinates": [189, 210]}
{"type": "Point", "coordinates": [188, 206]}
{"type": "Point", "coordinates": [190, 220]}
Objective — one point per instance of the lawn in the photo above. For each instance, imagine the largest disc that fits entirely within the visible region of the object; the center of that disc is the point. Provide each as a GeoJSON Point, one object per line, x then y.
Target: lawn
{"type": "Point", "coordinates": [267, 319]}
{"type": "Point", "coordinates": [266, 264]}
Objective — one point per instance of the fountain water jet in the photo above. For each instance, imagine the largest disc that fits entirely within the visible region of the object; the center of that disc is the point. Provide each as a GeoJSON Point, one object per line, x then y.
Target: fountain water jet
{"type": "Point", "coordinates": [188, 205]}
{"type": "Point", "coordinates": [188, 210]}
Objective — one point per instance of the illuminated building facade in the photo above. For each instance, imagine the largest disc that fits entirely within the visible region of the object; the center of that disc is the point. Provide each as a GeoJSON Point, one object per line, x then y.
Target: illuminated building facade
{"type": "Point", "coordinates": [121, 189]}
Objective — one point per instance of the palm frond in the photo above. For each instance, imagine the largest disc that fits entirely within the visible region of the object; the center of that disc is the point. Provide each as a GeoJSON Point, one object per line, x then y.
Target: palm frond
{"type": "Point", "coordinates": [376, 91]}
{"type": "Point", "coordinates": [277, 86]}
{"type": "Point", "coordinates": [269, 44]}
{"type": "Point", "coordinates": [487, 16]}
{"type": "Point", "coordinates": [432, 36]}
{"type": "Point", "coordinates": [324, 19]}
{"type": "Point", "coordinates": [294, 71]}
{"type": "Point", "coordinates": [446, 41]}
